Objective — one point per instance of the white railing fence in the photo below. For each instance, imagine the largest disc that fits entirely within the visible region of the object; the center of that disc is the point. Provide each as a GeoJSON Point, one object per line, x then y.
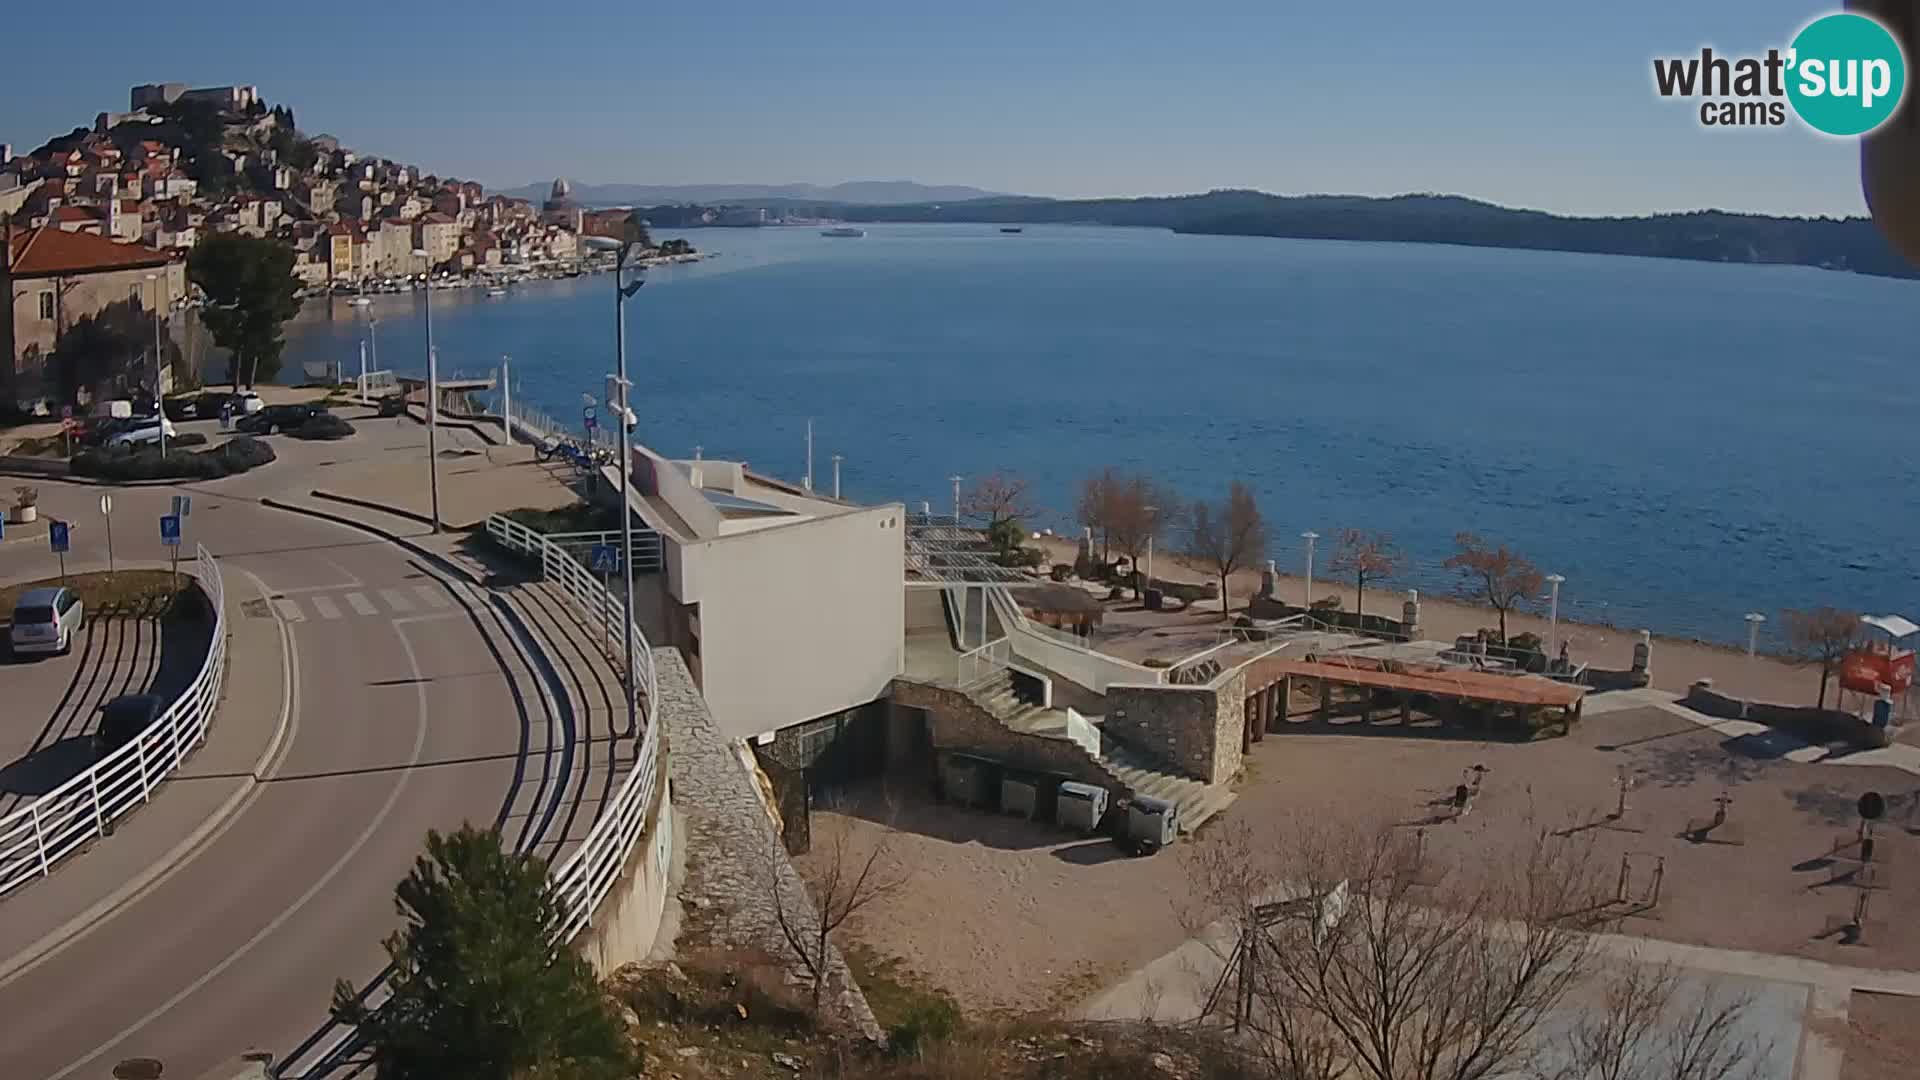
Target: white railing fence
{"type": "Point", "coordinates": [1082, 732]}
{"type": "Point", "coordinates": [648, 555]}
{"type": "Point", "coordinates": [978, 665]}
{"type": "Point", "coordinates": [63, 820]}
{"type": "Point", "coordinates": [587, 874]}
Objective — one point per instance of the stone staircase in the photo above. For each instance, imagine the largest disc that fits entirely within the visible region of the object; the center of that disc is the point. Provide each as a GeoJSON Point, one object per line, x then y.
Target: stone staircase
{"type": "Point", "coordinates": [1197, 800]}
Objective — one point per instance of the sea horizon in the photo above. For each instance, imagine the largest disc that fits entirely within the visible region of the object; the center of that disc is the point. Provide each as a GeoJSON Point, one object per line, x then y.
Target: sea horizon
{"type": "Point", "coordinates": [1685, 442]}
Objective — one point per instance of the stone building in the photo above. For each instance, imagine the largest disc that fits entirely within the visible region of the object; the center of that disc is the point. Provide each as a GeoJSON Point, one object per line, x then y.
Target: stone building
{"type": "Point", "coordinates": [52, 278]}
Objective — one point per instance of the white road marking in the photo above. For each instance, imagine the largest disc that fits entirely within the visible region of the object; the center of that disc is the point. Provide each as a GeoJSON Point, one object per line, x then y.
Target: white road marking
{"type": "Point", "coordinates": [396, 599]}
{"type": "Point", "coordinates": [386, 808]}
{"type": "Point", "coordinates": [360, 604]}
{"type": "Point", "coordinates": [433, 596]}
{"type": "Point", "coordinates": [289, 610]}
{"type": "Point", "coordinates": [325, 607]}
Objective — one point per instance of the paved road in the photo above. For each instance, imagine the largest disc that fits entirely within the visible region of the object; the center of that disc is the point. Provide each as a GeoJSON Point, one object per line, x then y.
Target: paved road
{"type": "Point", "coordinates": [413, 707]}
{"type": "Point", "coordinates": [53, 702]}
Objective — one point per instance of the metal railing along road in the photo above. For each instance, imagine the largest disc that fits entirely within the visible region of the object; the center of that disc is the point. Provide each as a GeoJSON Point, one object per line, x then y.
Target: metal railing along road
{"type": "Point", "coordinates": [648, 555]}
{"type": "Point", "coordinates": [587, 874]}
{"type": "Point", "coordinates": [65, 819]}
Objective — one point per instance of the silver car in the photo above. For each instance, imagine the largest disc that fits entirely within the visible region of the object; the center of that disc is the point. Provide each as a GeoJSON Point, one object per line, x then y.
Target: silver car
{"type": "Point", "coordinates": [45, 620]}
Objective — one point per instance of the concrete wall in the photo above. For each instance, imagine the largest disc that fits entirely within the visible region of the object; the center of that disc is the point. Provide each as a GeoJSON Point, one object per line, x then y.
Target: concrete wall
{"type": "Point", "coordinates": [798, 621]}
{"type": "Point", "coordinates": [1093, 670]}
{"type": "Point", "coordinates": [956, 723]}
{"type": "Point", "coordinates": [1194, 729]}
{"type": "Point", "coordinates": [626, 927]}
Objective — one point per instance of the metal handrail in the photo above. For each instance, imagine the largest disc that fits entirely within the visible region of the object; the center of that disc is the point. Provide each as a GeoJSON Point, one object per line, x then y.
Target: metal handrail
{"type": "Point", "coordinates": [590, 871]}
{"type": "Point", "coordinates": [63, 820]}
{"type": "Point", "coordinates": [648, 551]}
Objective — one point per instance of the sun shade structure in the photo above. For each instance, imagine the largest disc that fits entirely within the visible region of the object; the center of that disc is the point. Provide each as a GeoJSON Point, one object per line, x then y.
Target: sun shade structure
{"type": "Point", "coordinates": [940, 552]}
{"type": "Point", "coordinates": [1895, 626]}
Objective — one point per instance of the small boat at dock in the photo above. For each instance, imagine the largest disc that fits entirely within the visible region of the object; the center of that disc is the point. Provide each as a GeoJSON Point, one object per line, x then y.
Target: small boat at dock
{"type": "Point", "coordinates": [1009, 228]}
{"type": "Point", "coordinates": [843, 230]}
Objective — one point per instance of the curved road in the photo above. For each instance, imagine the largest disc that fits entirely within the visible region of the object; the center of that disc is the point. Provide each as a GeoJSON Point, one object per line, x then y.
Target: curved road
{"type": "Point", "coordinates": [411, 708]}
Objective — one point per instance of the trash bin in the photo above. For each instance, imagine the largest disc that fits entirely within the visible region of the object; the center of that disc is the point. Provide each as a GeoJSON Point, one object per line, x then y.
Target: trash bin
{"type": "Point", "coordinates": [1081, 806]}
{"type": "Point", "coordinates": [1152, 599]}
{"type": "Point", "coordinates": [1151, 824]}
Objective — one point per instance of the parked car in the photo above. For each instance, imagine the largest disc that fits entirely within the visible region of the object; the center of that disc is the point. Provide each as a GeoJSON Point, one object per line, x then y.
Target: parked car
{"type": "Point", "coordinates": [393, 405]}
{"type": "Point", "coordinates": [182, 408]}
{"type": "Point", "coordinates": [96, 430]}
{"type": "Point", "coordinates": [124, 718]}
{"type": "Point", "coordinates": [45, 620]}
{"type": "Point", "coordinates": [278, 418]}
{"type": "Point", "coordinates": [142, 430]}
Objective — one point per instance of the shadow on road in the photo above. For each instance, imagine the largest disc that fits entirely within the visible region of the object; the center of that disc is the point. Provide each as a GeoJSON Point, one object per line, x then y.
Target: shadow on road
{"type": "Point", "coordinates": [48, 767]}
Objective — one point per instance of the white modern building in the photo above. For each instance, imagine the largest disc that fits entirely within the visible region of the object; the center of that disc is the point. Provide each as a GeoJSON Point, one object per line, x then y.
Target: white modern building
{"type": "Point", "coordinates": [788, 605]}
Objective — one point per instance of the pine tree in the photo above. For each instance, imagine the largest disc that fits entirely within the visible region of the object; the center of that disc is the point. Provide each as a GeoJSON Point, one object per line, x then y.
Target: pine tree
{"type": "Point", "coordinates": [484, 988]}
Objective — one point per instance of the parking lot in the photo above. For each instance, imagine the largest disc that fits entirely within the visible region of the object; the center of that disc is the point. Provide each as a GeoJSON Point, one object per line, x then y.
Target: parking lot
{"type": "Point", "coordinates": [52, 703]}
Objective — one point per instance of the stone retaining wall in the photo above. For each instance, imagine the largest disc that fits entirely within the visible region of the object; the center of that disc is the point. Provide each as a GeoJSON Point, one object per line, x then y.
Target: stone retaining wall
{"type": "Point", "coordinates": [957, 722]}
{"type": "Point", "coordinates": [1194, 729]}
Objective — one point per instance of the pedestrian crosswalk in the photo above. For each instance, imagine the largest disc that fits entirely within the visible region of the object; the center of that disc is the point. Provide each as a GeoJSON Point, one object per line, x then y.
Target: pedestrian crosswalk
{"type": "Point", "coordinates": [397, 600]}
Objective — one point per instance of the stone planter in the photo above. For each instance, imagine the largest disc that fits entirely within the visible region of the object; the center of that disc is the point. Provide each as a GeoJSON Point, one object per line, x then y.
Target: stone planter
{"type": "Point", "coordinates": [24, 515]}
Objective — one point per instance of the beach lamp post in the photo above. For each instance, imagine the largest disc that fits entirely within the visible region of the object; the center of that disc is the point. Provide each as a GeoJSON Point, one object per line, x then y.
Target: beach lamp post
{"type": "Point", "coordinates": [1309, 536]}
{"type": "Point", "coordinates": [836, 476]}
{"type": "Point", "coordinates": [631, 239]}
{"type": "Point", "coordinates": [1754, 619]}
{"type": "Point", "coordinates": [1153, 519]}
{"type": "Point", "coordinates": [956, 499]}
{"type": "Point", "coordinates": [433, 399]}
{"type": "Point", "coordinates": [159, 405]}
{"type": "Point", "coordinates": [1553, 614]}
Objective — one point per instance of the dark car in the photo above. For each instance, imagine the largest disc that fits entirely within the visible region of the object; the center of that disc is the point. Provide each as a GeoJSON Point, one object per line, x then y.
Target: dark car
{"type": "Point", "coordinates": [278, 418]}
{"type": "Point", "coordinates": [124, 718]}
{"type": "Point", "coordinates": [95, 431]}
{"type": "Point", "coordinates": [183, 408]}
{"type": "Point", "coordinates": [393, 405]}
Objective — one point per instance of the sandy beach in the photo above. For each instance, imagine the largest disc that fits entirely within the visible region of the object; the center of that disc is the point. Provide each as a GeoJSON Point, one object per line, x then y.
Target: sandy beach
{"type": "Point", "coordinates": [1676, 662]}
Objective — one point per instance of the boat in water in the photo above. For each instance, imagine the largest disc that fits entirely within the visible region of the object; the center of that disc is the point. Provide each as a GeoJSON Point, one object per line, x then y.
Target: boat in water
{"type": "Point", "coordinates": [359, 301]}
{"type": "Point", "coordinates": [1010, 228]}
{"type": "Point", "coordinates": [496, 291]}
{"type": "Point", "coordinates": [843, 230]}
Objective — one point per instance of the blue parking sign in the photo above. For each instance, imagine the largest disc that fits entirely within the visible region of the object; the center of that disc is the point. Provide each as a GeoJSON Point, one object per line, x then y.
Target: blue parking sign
{"type": "Point", "coordinates": [170, 530]}
{"type": "Point", "coordinates": [57, 536]}
{"type": "Point", "coordinates": [605, 559]}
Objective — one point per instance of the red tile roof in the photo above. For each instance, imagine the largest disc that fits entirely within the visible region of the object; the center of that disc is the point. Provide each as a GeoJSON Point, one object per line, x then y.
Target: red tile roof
{"type": "Point", "coordinates": [48, 250]}
{"type": "Point", "coordinates": [63, 214]}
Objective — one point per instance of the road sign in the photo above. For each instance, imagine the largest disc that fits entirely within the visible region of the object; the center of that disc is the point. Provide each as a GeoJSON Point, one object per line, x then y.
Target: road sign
{"type": "Point", "coordinates": [106, 504]}
{"type": "Point", "coordinates": [182, 506]}
{"type": "Point", "coordinates": [57, 536]}
{"type": "Point", "coordinates": [170, 530]}
{"type": "Point", "coordinates": [605, 559]}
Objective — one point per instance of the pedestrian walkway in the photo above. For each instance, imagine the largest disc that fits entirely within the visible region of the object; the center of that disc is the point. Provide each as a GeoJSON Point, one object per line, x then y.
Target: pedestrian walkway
{"type": "Point", "coordinates": [331, 604]}
{"type": "Point", "coordinates": [1784, 744]}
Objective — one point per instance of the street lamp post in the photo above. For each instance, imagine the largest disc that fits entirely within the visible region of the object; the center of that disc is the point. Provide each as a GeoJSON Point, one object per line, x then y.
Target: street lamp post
{"type": "Point", "coordinates": [433, 400]}
{"type": "Point", "coordinates": [159, 402]}
{"type": "Point", "coordinates": [836, 476]}
{"type": "Point", "coordinates": [1754, 619]}
{"type": "Point", "coordinates": [956, 499]}
{"type": "Point", "coordinates": [618, 386]}
{"type": "Point", "coordinates": [1153, 519]}
{"type": "Point", "coordinates": [1309, 536]}
{"type": "Point", "coordinates": [1553, 615]}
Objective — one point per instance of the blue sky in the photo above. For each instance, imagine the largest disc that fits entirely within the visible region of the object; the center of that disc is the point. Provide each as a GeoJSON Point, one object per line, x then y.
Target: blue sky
{"type": "Point", "coordinates": [1543, 104]}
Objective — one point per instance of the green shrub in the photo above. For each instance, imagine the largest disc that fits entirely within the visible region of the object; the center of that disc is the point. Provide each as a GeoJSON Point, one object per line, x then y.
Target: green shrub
{"type": "Point", "coordinates": [124, 464]}
{"type": "Point", "coordinates": [927, 1022]}
{"type": "Point", "coordinates": [323, 426]}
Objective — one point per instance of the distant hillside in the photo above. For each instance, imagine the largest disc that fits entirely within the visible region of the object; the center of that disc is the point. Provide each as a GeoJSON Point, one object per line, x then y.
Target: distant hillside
{"type": "Point", "coordinates": [865, 192]}
{"type": "Point", "coordinates": [1707, 235]}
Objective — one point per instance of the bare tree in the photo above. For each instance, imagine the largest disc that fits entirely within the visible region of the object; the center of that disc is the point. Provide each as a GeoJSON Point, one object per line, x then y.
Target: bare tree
{"type": "Point", "coordinates": [1495, 576]}
{"type": "Point", "coordinates": [997, 497]}
{"type": "Point", "coordinates": [1095, 508]}
{"type": "Point", "coordinates": [850, 875]}
{"type": "Point", "coordinates": [1368, 557]}
{"type": "Point", "coordinates": [1343, 962]}
{"type": "Point", "coordinates": [1823, 636]}
{"type": "Point", "coordinates": [1140, 512]}
{"type": "Point", "coordinates": [1227, 536]}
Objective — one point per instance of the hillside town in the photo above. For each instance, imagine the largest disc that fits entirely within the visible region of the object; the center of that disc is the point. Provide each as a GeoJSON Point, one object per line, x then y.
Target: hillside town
{"type": "Point", "coordinates": [103, 218]}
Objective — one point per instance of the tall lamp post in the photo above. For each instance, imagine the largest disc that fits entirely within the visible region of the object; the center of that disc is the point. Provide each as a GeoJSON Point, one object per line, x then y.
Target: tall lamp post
{"type": "Point", "coordinates": [1309, 536]}
{"type": "Point", "coordinates": [1754, 619]}
{"type": "Point", "coordinates": [632, 237]}
{"type": "Point", "coordinates": [433, 399]}
{"type": "Point", "coordinates": [1553, 615]}
{"type": "Point", "coordinates": [159, 402]}
{"type": "Point", "coordinates": [1153, 520]}
{"type": "Point", "coordinates": [956, 499]}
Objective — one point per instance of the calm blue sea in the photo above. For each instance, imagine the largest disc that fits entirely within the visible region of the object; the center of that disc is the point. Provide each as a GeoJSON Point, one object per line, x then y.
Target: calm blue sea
{"type": "Point", "coordinates": [1685, 442]}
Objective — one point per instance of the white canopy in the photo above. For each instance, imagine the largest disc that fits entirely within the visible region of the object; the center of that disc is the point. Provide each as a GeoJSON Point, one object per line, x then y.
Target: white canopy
{"type": "Point", "coordinates": [1894, 625]}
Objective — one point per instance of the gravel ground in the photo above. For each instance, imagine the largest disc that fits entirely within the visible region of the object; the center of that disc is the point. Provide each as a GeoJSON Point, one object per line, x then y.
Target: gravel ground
{"type": "Point", "coordinates": [1011, 916]}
